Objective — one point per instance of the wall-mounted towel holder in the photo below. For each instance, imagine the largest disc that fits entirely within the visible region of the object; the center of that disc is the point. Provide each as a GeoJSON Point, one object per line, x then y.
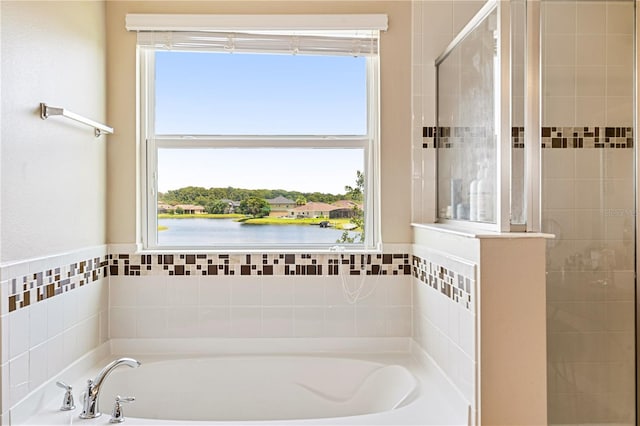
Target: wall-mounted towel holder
{"type": "Point", "coordinates": [46, 111]}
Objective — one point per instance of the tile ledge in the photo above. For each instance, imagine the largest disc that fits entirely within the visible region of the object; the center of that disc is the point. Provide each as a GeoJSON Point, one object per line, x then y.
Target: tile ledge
{"type": "Point", "coordinates": [479, 233]}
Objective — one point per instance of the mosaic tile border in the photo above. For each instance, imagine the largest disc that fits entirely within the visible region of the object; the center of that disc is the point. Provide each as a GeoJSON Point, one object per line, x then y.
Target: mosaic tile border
{"type": "Point", "coordinates": [452, 284]}
{"type": "Point", "coordinates": [259, 264]}
{"type": "Point", "coordinates": [36, 287]}
{"type": "Point", "coordinates": [587, 137]}
{"type": "Point", "coordinates": [551, 137]}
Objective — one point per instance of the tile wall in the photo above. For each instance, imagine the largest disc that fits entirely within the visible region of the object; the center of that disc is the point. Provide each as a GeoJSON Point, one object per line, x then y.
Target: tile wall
{"type": "Point", "coordinates": [260, 295]}
{"type": "Point", "coordinates": [588, 202]}
{"type": "Point", "coordinates": [588, 191]}
{"type": "Point", "coordinates": [443, 325]}
{"type": "Point", "coordinates": [57, 309]}
{"type": "Point", "coordinates": [435, 23]}
{"type": "Point", "coordinates": [53, 311]}
{"type": "Point", "coordinates": [444, 315]}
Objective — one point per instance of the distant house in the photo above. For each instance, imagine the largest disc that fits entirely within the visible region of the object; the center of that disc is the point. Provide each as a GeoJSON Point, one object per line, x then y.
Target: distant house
{"type": "Point", "coordinates": [347, 204]}
{"type": "Point", "coordinates": [312, 209]}
{"type": "Point", "coordinates": [191, 208]}
{"type": "Point", "coordinates": [280, 205]}
{"type": "Point", "coordinates": [232, 206]}
{"type": "Point", "coordinates": [186, 208]}
{"type": "Point", "coordinates": [345, 209]}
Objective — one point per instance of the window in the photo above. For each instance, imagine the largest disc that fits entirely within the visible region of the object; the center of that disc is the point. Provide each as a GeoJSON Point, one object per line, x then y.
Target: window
{"type": "Point", "coordinates": [259, 139]}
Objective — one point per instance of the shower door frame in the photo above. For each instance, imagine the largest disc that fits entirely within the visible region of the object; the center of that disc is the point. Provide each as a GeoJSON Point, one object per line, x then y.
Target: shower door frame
{"type": "Point", "coordinates": [502, 114]}
{"type": "Point", "coordinates": [636, 120]}
{"type": "Point", "coordinates": [504, 117]}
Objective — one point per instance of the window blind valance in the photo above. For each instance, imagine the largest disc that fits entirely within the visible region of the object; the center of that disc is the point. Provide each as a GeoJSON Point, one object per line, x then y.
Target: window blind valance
{"type": "Point", "coordinates": [353, 35]}
{"type": "Point", "coordinates": [262, 43]}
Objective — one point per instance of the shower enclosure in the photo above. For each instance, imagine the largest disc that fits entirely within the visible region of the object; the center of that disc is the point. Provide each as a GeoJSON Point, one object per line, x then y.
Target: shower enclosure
{"type": "Point", "coordinates": [588, 202]}
{"type": "Point", "coordinates": [536, 113]}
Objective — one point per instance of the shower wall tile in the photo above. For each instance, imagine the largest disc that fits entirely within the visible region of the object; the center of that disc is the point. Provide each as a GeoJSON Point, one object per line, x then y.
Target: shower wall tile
{"type": "Point", "coordinates": [620, 316]}
{"type": "Point", "coordinates": [591, 17]}
{"type": "Point", "coordinates": [559, 109]}
{"type": "Point", "coordinates": [590, 50]}
{"type": "Point", "coordinates": [560, 81]}
{"type": "Point", "coordinates": [619, 48]}
{"type": "Point", "coordinates": [588, 163]}
{"type": "Point", "coordinates": [589, 263]}
{"type": "Point", "coordinates": [619, 110]}
{"type": "Point", "coordinates": [463, 11]}
{"type": "Point", "coordinates": [619, 80]}
{"type": "Point", "coordinates": [437, 17]}
{"type": "Point", "coordinates": [559, 17]}
{"type": "Point", "coordinates": [558, 163]}
{"type": "Point", "coordinates": [560, 50]}
{"type": "Point", "coordinates": [435, 23]}
{"type": "Point", "coordinates": [555, 196]}
{"type": "Point", "coordinates": [591, 81]}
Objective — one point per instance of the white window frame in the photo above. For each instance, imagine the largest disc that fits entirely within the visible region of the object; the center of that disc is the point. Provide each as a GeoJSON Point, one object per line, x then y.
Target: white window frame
{"type": "Point", "coordinates": [149, 144]}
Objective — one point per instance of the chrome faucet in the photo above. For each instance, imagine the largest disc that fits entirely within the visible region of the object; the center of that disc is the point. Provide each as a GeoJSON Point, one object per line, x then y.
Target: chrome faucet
{"type": "Point", "coordinates": [90, 397]}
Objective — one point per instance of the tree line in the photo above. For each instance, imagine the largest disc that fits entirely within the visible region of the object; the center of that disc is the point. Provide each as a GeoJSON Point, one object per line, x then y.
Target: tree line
{"type": "Point", "coordinates": [212, 197]}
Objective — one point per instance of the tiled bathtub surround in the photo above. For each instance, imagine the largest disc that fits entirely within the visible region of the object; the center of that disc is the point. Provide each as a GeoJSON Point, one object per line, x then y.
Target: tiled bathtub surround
{"type": "Point", "coordinates": [28, 289]}
{"type": "Point", "coordinates": [551, 137]}
{"type": "Point", "coordinates": [450, 283]}
{"type": "Point", "coordinates": [54, 311]}
{"type": "Point", "coordinates": [260, 295]}
{"type": "Point", "coordinates": [259, 264]}
{"type": "Point", "coordinates": [38, 286]}
{"type": "Point", "coordinates": [444, 315]}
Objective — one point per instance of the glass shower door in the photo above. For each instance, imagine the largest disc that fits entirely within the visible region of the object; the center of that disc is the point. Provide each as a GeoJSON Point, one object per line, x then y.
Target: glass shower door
{"type": "Point", "coordinates": [588, 202]}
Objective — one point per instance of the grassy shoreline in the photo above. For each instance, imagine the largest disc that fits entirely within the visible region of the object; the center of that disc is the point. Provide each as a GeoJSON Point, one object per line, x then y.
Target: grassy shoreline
{"type": "Point", "coordinates": [334, 223]}
{"type": "Point", "coordinates": [200, 216]}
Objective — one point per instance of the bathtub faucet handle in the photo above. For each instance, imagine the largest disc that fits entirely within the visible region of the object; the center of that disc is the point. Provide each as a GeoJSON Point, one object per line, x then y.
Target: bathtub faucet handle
{"type": "Point", "coordinates": [117, 416]}
{"type": "Point", "coordinates": [67, 401]}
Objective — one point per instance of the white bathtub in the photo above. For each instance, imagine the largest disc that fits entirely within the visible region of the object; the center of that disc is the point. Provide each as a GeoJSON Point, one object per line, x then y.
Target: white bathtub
{"type": "Point", "coordinates": [317, 388]}
{"type": "Point", "coordinates": [251, 388]}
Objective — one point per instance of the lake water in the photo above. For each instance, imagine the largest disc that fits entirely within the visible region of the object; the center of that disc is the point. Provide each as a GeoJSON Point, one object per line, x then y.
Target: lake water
{"type": "Point", "coordinates": [208, 231]}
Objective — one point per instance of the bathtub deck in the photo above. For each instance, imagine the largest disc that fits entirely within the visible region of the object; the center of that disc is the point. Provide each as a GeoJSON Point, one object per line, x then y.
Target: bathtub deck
{"type": "Point", "coordinates": [436, 404]}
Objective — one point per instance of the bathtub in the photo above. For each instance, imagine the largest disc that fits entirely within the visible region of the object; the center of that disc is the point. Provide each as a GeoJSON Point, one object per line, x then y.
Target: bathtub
{"type": "Point", "coordinates": [251, 388]}
{"type": "Point", "coordinates": [280, 389]}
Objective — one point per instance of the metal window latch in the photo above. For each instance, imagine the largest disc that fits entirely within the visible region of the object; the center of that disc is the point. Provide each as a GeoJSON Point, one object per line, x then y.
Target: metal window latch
{"type": "Point", "coordinates": [67, 402]}
{"type": "Point", "coordinates": [117, 416]}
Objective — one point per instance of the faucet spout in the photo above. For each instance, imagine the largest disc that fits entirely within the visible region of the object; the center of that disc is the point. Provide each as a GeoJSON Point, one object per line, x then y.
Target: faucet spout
{"type": "Point", "coordinates": [90, 408]}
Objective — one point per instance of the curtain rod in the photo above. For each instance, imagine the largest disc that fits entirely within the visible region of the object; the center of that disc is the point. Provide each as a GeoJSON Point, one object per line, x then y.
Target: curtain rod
{"type": "Point", "coordinates": [46, 111]}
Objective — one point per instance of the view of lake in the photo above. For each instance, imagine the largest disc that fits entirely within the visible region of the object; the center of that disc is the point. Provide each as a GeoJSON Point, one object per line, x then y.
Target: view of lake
{"type": "Point", "coordinates": [206, 231]}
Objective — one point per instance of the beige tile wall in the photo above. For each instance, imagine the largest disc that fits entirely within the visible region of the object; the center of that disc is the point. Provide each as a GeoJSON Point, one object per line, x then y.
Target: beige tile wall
{"type": "Point", "coordinates": [588, 202]}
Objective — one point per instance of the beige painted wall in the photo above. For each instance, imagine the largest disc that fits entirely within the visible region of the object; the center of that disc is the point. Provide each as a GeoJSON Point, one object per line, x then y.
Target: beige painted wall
{"type": "Point", "coordinates": [53, 172]}
{"type": "Point", "coordinates": [123, 154]}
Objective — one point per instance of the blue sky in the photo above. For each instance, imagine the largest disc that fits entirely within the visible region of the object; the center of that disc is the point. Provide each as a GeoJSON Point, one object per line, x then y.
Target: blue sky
{"type": "Point", "coordinates": [251, 94]}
